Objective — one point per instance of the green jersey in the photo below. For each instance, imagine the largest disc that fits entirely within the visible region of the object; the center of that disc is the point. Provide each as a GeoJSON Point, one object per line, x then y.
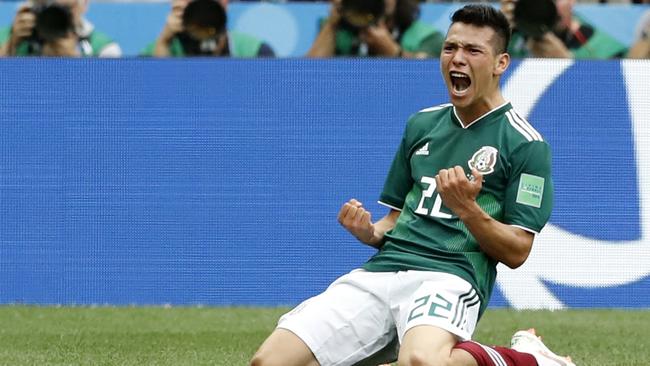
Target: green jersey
{"type": "Point", "coordinates": [92, 43]}
{"type": "Point", "coordinates": [239, 45]}
{"type": "Point", "coordinates": [588, 42]}
{"type": "Point", "coordinates": [517, 190]}
{"type": "Point", "coordinates": [418, 37]}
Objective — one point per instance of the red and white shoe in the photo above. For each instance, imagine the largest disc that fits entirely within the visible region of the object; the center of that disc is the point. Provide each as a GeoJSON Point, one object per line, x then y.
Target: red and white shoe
{"type": "Point", "coordinates": [527, 341]}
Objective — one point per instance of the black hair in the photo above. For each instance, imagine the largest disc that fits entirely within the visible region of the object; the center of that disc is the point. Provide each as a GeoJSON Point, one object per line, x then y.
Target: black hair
{"type": "Point", "coordinates": [205, 13]}
{"type": "Point", "coordinates": [374, 7]}
{"type": "Point", "coordinates": [406, 12]}
{"type": "Point", "coordinates": [482, 15]}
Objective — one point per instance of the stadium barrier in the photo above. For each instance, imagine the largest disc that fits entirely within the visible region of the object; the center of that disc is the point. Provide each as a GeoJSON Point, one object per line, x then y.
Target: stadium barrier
{"type": "Point", "coordinates": [217, 182]}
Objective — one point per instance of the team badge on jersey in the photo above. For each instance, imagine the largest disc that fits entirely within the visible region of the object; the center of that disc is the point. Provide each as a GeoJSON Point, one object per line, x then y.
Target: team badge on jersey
{"type": "Point", "coordinates": [484, 160]}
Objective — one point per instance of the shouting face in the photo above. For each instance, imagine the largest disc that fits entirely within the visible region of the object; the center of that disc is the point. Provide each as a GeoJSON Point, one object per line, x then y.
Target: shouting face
{"type": "Point", "coordinates": [471, 67]}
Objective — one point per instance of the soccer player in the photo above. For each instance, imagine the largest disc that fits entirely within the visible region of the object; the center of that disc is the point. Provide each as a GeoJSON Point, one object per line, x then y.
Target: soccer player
{"type": "Point", "coordinates": [469, 187]}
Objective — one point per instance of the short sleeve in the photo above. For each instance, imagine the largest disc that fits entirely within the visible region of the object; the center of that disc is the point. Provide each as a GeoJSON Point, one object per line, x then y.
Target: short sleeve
{"type": "Point", "coordinates": [399, 181]}
{"type": "Point", "coordinates": [529, 193]}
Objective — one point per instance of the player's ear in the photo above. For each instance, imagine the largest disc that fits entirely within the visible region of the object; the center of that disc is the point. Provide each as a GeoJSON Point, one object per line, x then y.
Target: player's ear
{"type": "Point", "coordinates": [501, 63]}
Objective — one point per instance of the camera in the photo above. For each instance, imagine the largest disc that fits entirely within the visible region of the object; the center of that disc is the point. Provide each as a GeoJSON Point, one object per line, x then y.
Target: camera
{"type": "Point", "coordinates": [204, 21]}
{"type": "Point", "coordinates": [360, 14]}
{"type": "Point", "coordinates": [53, 21]}
{"type": "Point", "coordinates": [535, 17]}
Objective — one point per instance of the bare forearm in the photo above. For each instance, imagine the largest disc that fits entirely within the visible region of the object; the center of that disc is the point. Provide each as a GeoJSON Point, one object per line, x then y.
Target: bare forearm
{"type": "Point", "coordinates": [164, 41]}
{"type": "Point", "coordinates": [640, 49]}
{"type": "Point", "coordinates": [9, 47]}
{"type": "Point", "coordinates": [504, 243]}
{"type": "Point", "coordinates": [161, 48]}
{"type": "Point", "coordinates": [381, 227]}
{"type": "Point", "coordinates": [325, 43]}
{"type": "Point", "coordinates": [4, 49]}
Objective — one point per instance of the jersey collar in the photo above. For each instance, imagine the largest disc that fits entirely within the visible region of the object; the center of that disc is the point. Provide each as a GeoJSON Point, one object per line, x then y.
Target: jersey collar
{"type": "Point", "coordinates": [487, 116]}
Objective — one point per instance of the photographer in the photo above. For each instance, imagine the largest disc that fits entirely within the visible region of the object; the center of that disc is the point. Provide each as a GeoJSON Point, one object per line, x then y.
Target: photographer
{"type": "Point", "coordinates": [198, 28]}
{"type": "Point", "coordinates": [549, 28]}
{"type": "Point", "coordinates": [381, 28]}
{"type": "Point", "coordinates": [55, 28]}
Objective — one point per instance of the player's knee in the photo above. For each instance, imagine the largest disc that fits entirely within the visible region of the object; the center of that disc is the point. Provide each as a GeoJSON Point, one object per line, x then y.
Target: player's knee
{"type": "Point", "coordinates": [417, 358]}
{"type": "Point", "coordinates": [263, 359]}
{"type": "Point", "coordinates": [420, 358]}
{"type": "Point", "coordinates": [256, 361]}
{"type": "Point", "coordinates": [266, 356]}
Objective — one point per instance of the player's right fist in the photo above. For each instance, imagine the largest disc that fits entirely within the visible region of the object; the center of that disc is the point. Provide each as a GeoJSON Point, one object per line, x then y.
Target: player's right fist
{"type": "Point", "coordinates": [357, 220]}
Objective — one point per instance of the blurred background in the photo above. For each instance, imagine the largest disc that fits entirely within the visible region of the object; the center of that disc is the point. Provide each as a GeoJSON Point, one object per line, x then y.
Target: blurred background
{"type": "Point", "coordinates": [291, 27]}
{"type": "Point", "coordinates": [216, 181]}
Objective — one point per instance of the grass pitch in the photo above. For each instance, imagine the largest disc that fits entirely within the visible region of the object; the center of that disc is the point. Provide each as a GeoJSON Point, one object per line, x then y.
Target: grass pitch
{"type": "Point", "coordinates": [229, 336]}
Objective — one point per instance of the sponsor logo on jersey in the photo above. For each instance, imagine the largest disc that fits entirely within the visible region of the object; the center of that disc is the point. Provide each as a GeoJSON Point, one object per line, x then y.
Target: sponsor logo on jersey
{"type": "Point", "coordinates": [531, 190]}
{"type": "Point", "coordinates": [484, 160]}
{"type": "Point", "coordinates": [592, 260]}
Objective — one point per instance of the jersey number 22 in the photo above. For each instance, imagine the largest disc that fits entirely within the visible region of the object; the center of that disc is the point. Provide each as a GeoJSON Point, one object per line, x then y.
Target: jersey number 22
{"type": "Point", "coordinates": [426, 195]}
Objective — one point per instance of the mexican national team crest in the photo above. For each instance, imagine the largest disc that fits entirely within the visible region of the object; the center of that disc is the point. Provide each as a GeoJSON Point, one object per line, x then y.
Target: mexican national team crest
{"type": "Point", "coordinates": [484, 160]}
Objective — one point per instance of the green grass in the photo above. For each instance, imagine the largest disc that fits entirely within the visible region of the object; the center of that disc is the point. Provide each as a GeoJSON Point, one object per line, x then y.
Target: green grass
{"type": "Point", "coordinates": [229, 336]}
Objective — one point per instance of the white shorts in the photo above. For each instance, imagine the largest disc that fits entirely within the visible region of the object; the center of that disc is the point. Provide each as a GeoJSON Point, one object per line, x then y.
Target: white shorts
{"type": "Point", "coordinates": [361, 312]}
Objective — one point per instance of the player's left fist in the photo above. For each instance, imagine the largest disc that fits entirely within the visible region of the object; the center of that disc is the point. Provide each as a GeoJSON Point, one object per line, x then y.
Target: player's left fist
{"type": "Point", "coordinates": [456, 189]}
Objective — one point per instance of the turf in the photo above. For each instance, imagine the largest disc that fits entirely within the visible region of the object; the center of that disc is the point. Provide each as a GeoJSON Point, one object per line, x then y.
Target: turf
{"type": "Point", "coordinates": [229, 336]}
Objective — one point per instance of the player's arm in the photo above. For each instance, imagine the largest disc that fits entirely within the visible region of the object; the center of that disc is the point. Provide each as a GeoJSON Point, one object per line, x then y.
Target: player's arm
{"type": "Point", "coordinates": [507, 244]}
{"type": "Point", "coordinates": [358, 221]}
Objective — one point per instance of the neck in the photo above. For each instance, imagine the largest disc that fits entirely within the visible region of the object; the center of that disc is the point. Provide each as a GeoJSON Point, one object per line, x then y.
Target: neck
{"type": "Point", "coordinates": [472, 112]}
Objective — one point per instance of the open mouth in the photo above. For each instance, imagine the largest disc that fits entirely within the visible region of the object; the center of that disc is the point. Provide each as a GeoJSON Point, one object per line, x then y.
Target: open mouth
{"type": "Point", "coordinates": [459, 81]}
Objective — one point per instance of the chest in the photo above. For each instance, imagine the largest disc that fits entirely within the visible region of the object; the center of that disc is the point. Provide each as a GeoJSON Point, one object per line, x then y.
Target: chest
{"type": "Point", "coordinates": [480, 150]}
